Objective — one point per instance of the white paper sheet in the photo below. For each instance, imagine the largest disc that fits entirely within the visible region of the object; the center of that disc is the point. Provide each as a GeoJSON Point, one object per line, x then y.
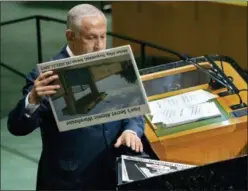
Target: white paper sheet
{"type": "Point", "coordinates": [183, 108]}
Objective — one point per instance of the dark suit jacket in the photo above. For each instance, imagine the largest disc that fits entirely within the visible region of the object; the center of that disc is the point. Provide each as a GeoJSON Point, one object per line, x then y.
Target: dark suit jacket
{"type": "Point", "coordinates": [73, 159]}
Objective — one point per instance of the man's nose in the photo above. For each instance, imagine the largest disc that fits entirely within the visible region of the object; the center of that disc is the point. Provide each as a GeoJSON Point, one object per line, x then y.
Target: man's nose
{"type": "Point", "coordinates": [98, 44]}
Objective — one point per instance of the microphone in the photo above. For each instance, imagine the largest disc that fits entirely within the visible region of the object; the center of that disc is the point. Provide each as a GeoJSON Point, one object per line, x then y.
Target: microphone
{"type": "Point", "coordinates": [217, 75]}
{"type": "Point", "coordinates": [220, 77]}
{"type": "Point", "coordinates": [232, 89]}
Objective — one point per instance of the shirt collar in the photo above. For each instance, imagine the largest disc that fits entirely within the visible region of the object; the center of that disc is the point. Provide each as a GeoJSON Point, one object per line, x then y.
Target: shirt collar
{"type": "Point", "coordinates": [69, 51]}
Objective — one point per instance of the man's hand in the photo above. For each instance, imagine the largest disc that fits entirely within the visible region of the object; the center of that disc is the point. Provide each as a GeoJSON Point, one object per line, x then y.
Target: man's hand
{"type": "Point", "coordinates": [129, 139]}
{"type": "Point", "coordinates": [42, 88]}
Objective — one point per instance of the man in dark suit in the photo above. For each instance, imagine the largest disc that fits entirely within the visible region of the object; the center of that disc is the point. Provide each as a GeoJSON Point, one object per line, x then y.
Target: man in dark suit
{"type": "Point", "coordinates": [83, 158]}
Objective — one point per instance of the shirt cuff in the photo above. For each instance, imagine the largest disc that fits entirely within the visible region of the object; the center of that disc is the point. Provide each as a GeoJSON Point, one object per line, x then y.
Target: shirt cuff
{"type": "Point", "coordinates": [131, 131]}
{"type": "Point", "coordinates": [30, 108]}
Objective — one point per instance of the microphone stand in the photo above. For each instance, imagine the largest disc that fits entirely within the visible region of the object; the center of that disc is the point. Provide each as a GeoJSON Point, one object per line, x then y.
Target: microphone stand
{"type": "Point", "coordinates": [232, 88]}
{"type": "Point", "coordinates": [217, 75]}
{"type": "Point", "coordinates": [220, 77]}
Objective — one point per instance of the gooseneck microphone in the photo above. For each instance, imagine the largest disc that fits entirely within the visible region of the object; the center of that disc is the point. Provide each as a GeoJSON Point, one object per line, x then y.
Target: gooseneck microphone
{"type": "Point", "coordinates": [216, 74]}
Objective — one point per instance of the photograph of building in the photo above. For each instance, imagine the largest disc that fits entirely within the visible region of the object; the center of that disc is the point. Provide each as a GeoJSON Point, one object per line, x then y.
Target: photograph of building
{"type": "Point", "coordinates": [95, 89]}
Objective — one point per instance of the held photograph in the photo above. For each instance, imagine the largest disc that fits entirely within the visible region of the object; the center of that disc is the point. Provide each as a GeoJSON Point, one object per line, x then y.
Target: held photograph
{"type": "Point", "coordinates": [104, 88]}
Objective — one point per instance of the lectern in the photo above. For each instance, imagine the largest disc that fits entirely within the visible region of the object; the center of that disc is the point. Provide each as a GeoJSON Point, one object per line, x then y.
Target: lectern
{"type": "Point", "coordinates": [217, 146]}
{"type": "Point", "coordinates": [204, 141]}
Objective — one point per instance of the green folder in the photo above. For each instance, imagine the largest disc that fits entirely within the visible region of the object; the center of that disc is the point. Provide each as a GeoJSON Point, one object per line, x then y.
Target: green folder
{"type": "Point", "coordinates": [162, 130]}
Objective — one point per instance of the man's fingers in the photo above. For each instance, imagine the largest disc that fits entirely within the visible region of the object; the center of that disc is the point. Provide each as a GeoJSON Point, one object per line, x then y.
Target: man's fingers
{"type": "Point", "coordinates": [138, 145]}
{"type": "Point", "coordinates": [45, 75]}
{"type": "Point", "coordinates": [118, 143]}
{"type": "Point", "coordinates": [141, 147]}
{"type": "Point", "coordinates": [47, 88]}
{"type": "Point", "coordinates": [48, 80]}
{"type": "Point", "coordinates": [133, 143]}
{"type": "Point", "coordinates": [46, 93]}
{"type": "Point", "coordinates": [41, 87]}
{"type": "Point", "coordinates": [128, 141]}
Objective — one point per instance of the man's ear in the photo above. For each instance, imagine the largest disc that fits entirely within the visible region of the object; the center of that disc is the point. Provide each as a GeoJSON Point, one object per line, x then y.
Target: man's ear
{"type": "Point", "coordinates": [70, 35]}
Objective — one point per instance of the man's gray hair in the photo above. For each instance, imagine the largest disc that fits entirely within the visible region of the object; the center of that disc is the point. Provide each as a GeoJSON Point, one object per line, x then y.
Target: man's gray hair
{"type": "Point", "coordinates": [77, 13]}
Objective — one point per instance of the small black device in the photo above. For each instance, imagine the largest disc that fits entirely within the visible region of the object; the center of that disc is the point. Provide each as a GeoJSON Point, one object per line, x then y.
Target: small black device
{"type": "Point", "coordinates": [240, 112]}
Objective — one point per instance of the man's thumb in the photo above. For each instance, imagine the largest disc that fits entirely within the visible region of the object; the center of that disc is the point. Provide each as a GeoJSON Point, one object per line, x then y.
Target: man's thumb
{"type": "Point", "coordinates": [118, 143]}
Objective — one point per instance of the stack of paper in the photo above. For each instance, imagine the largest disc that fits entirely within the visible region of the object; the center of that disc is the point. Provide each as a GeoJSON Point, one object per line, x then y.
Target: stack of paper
{"type": "Point", "coordinates": [136, 168]}
{"type": "Point", "coordinates": [184, 108]}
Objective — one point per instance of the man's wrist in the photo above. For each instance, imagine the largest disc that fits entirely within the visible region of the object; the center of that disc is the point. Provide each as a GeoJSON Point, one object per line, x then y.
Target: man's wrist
{"type": "Point", "coordinates": [32, 99]}
{"type": "Point", "coordinates": [30, 107]}
{"type": "Point", "coordinates": [131, 131]}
